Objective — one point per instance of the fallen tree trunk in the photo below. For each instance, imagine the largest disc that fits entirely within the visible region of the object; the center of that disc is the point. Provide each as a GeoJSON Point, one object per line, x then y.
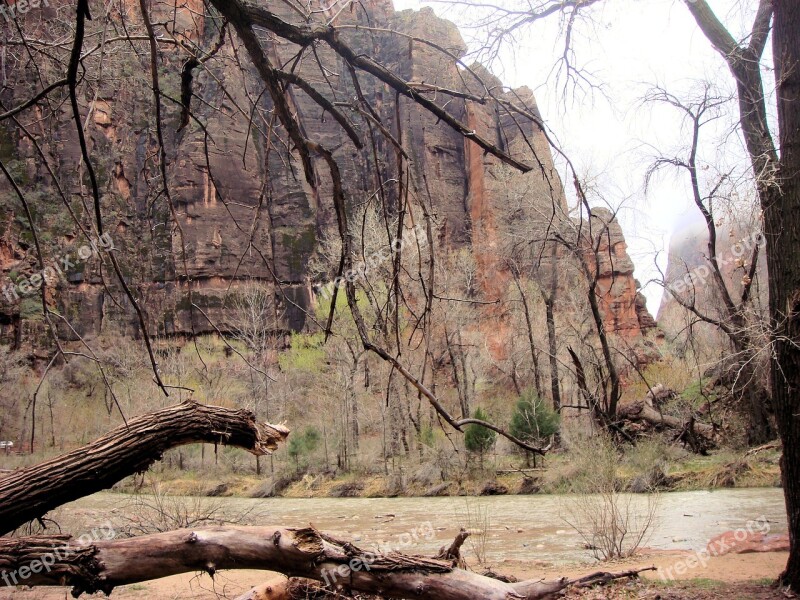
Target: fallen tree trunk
{"type": "Point", "coordinates": [29, 493]}
{"type": "Point", "coordinates": [699, 436]}
{"type": "Point", "coordinates": [295, 588]}
{"type": "Point", "coordinates": [103, 565]}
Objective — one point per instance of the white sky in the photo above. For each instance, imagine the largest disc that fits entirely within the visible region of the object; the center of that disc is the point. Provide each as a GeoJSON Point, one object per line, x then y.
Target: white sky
{"type": "Point", "coordinates": [632, 45]}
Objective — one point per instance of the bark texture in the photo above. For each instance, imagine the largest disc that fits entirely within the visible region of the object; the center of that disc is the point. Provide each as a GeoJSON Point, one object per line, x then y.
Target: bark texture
{"type": "Point", "coordinates": [29, 493]}
{"type": "Point", "coordinates": [782, 229]}
{"type": "Point", "coordinates": [104, 565]}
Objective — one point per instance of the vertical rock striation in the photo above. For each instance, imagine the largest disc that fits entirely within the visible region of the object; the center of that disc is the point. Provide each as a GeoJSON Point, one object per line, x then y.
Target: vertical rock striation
{"type": "Point", "coordinates": [244, 209]}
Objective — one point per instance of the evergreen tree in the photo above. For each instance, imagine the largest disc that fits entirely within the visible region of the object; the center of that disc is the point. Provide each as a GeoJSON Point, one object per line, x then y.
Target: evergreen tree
{"type": "Point", "coordinates": [534, 420]}
{"type": "Point", "coordinates": [477, 438]}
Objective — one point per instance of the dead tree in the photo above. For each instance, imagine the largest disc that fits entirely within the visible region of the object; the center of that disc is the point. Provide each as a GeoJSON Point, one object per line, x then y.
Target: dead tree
{"type": "Point", "coordinates": [586, 237]}
{"type": "Point", "coordinates": [700, 437]}
{"type": "Point", "coordinates": [105, 564]}
{"type": "Point", "coordinates": [29, 493]}
{"type": "Point", "coordinates": [737, 318]}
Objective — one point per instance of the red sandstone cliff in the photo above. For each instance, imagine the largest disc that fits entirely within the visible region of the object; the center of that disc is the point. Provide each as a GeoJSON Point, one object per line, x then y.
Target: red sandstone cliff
{"type": "Point", "coordinates": [224, 175]}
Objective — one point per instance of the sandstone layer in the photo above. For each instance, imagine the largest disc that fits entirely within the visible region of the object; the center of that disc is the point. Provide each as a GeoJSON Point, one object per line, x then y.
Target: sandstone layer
{"type": "Point", "coordinates": [244, 210]}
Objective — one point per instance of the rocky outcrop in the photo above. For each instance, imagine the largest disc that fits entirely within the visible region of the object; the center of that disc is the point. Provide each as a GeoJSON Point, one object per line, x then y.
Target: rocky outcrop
{"type": "Point", "coordinates": [244, 209]}
{"type": "Point", "coordinates": [625, 312]}
{"type": "Point", "coordinates": [743, 541]}
{"type": "Point", "coordinates": [688, 274]}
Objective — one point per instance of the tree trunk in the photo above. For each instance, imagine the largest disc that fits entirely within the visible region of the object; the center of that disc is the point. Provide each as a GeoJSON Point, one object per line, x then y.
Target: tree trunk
{"type": "Point", "coordinates": [555, 387]}
{"type": "Point", "coordinates": [782, 232]}
{"type": "Point", "coordinates": [29, 493]}
{"type": "Point", "coordinates": [105, 564]}
{"type": "Point", "coordinates": [353, 425]}
{"type": "Point", "coordinates": [779, 195]}
{"type": "Point", "coordinates": [756, 400]}
{"type": "Point", "coordinates": [526, 310]}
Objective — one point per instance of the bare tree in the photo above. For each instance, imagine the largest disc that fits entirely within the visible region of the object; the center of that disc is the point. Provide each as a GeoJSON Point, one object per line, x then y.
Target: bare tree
{"type": "Point", "coordinates": [775, 163]}
{"type": "Point", "coordinates": [738, 318]}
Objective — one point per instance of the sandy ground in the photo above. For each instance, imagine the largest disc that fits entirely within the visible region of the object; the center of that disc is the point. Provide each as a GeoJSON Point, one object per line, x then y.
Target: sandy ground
{"type": "Point", "coordinates": [741, 576]}
{"type": "Point", "coordinates": [728, 568]}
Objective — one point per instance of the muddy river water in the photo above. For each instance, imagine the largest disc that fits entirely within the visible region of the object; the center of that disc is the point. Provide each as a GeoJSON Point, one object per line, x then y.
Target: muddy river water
{"type": "Point", "coordinates": [516, 527]}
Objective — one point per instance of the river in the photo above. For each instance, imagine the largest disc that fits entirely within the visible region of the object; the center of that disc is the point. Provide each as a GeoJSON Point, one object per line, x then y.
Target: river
{"type": "Point", "coordinates": [517, 527]}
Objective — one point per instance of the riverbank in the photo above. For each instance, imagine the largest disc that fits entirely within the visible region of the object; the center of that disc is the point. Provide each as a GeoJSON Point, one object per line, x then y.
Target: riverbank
{"type": "Point", "coordinates": [722, 470]}
{"type": "Point", "coordinates": [523, 536]}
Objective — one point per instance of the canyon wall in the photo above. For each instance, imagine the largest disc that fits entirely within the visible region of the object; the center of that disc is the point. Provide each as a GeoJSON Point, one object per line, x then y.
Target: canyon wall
{"type": "Point", "coordinates": [244, 210]}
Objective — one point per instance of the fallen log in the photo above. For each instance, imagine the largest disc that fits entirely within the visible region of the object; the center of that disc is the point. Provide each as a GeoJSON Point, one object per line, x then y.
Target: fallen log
{"type": "Point", "coordinates": [522, 471]}
{"type": "Point", "coordinates": [295, 588]}
{"type": "Point", "coordinates": [699, 436]}
{"type": "Point", "coordinates": [102, 565]}
{"type": "Point", "coordinates": [604, 577]}
{"type": "Point", "coordinates": [769, 446]}
{"type": "Point", "coordinates": [27, 494]}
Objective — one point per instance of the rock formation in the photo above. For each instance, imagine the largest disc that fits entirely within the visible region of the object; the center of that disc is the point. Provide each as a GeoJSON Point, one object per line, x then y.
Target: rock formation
{"type": "Point", "coordinates": [244, 209]}
{"type": "Point", "coordinates": [689, 275]}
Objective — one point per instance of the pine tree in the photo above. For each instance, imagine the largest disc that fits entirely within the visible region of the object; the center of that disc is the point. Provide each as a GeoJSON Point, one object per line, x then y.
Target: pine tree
{"type": "Point", "coordinates": [534, 420]}
{"type": "Point", "coordinates": [477, 438]}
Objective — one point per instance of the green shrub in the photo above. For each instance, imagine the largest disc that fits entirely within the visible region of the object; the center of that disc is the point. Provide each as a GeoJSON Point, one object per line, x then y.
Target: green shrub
{"type": "Point", "coordinates": [31, 309]}
{"type": "Point", "coordinates": [477, 438]}
{"type": "Point", "coordinates": [533, 420]}
{"type": "Point", "coordinates": [300, 446]}
{"type": "Point", "coordinates": [427, 436]}
{"type": "Point", "coordinates": [306, 353]}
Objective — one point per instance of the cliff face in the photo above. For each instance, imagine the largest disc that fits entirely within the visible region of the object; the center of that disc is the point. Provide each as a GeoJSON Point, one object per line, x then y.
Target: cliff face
{"type": "Point", "coordinates": [688, 273]}
{"type": "Point", "coordinates": [623, 305]}
{"type": "Point", "coordinates": [244, 209]}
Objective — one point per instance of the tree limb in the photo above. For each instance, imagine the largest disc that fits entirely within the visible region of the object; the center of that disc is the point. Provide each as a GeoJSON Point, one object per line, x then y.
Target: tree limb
{"type": "Point", "coordinates": [103, 565]}
{"type": "Point", "coordinates": [244, 15]}
{"type": "Point", "coordinates": [713, 28]}
{"type": "Point", "coordinates": [29, 493]}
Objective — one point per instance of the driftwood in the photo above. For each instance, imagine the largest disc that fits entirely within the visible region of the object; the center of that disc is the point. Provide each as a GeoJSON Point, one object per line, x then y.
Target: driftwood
{"type": "Point", "coordinates": [105, 564]}
{"type": "Point", "coordinates": [699, 436]}
{"type": "Point", "coordinates": [763, 448]}
{"type": "Point", "coordinates": [29, 493]}
{"type": "Point", "coordinates": [522, 471]}
{"type": "Point", "coordinates": [453, 552]}
{"type": "Point", "coordinates": [604, 577]}
{"type": "Point", "coordinates": [102, 565]}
